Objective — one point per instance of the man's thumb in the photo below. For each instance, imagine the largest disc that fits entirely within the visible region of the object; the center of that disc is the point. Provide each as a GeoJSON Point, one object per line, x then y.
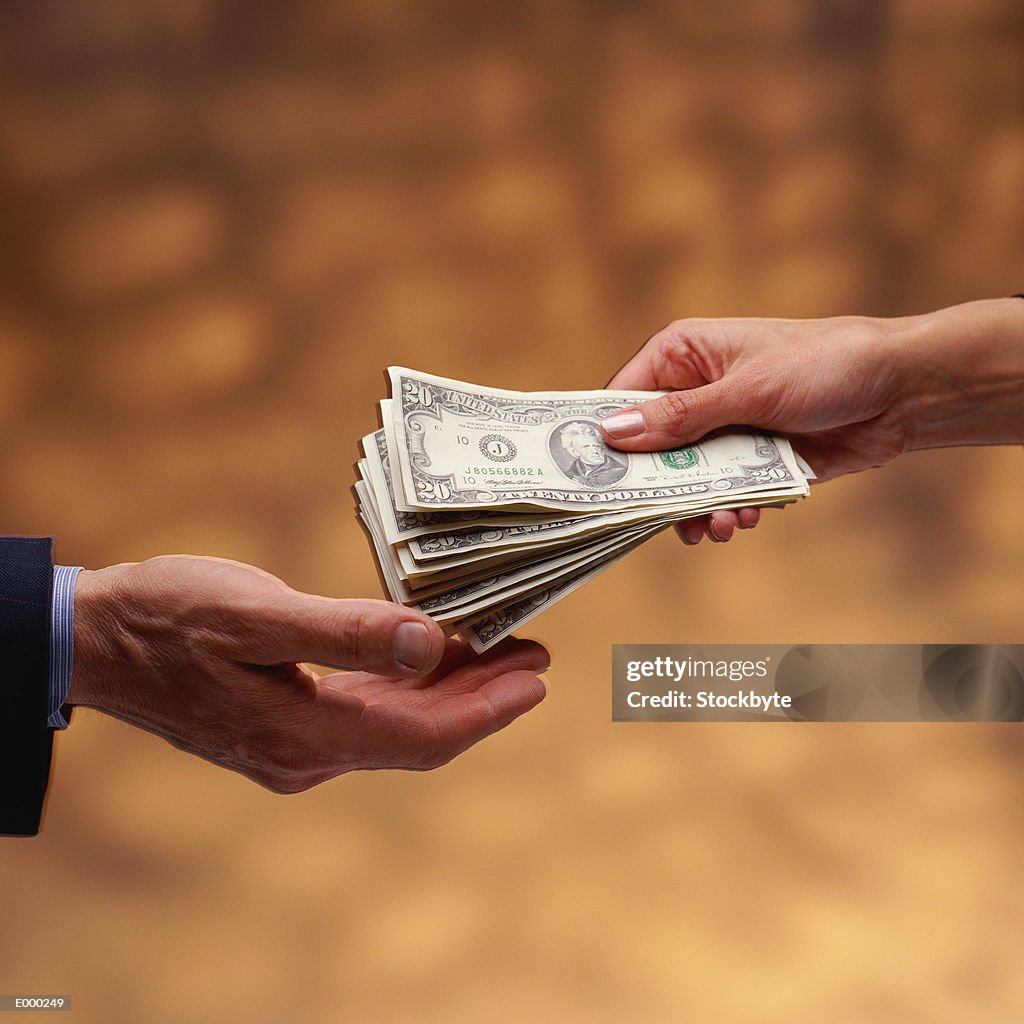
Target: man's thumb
{"type": "Point", "coordinates": [675, 419]}
{"type": "Point", "coordinates": [375, 636]}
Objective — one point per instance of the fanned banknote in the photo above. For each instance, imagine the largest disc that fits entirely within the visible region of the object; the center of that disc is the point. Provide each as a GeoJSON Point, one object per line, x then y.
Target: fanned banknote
{"type": "Point", "coordinates": [485, 506]}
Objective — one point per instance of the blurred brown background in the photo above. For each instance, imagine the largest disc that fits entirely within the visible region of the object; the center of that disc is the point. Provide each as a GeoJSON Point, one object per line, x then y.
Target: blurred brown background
{"type": "Point", "coordinates": [221, 220]}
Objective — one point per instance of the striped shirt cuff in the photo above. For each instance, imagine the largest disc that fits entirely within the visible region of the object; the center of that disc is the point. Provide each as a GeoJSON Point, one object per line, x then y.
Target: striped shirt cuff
{"type": "Point", "coordinates": [62, 640]}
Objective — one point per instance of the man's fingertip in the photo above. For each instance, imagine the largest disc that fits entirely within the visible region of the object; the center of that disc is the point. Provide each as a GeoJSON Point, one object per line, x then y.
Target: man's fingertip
{"type": "Point", "coordinates": [536, 654]}
{"type": "Point", "coordinates": [524, 690]}
{"type": "Point", "coordinates": [415, 648]}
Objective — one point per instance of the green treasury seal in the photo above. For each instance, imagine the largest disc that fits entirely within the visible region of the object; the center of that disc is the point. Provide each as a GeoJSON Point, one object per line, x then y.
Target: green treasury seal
{"type": "Point", "coordinates": [679, 458]}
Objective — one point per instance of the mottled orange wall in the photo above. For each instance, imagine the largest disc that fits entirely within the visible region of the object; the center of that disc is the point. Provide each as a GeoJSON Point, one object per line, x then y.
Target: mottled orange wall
{"type": "Point", "coordinates": [221, 220]}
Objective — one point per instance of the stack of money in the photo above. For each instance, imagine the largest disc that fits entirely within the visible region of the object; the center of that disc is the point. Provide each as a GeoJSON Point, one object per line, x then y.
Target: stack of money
{"type": "Point", "coordinates": [485, 507]}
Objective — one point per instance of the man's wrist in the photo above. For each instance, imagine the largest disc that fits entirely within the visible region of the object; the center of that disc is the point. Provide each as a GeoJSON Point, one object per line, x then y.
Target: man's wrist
{"type": "Point", "coordinates": [92, 648]}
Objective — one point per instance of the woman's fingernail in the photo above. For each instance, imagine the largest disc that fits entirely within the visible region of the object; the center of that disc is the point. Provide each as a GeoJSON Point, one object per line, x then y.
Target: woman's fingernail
{"type": "Point", "coordinates": [412, 645]}
{"type": "Point", "coordinates": [692, 534]}
{"type": "Point", "coordinates": [623, 424]}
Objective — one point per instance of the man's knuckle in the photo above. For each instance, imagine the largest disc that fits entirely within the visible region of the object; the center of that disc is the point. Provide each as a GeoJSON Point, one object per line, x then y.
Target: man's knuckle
{"type": "Point", "coordinates": [353, 633]}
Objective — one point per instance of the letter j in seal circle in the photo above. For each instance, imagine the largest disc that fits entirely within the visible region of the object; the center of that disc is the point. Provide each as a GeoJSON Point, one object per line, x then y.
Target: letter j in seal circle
{"type": "Point", "coordinates": [498, 448]}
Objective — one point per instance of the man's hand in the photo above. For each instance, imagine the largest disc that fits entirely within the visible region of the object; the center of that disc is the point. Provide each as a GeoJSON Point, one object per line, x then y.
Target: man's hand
{"type": "Point", "coordinates": [206, 653]}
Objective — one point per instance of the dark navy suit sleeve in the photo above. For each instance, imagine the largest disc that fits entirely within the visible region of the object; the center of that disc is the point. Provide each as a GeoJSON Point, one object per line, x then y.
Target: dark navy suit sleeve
{"type": "Point", "coordinates": [26, 578]}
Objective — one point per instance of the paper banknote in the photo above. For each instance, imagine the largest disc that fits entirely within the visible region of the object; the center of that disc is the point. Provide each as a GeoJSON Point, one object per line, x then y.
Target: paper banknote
{"type": "Point", "coordinates": [486, 506]}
